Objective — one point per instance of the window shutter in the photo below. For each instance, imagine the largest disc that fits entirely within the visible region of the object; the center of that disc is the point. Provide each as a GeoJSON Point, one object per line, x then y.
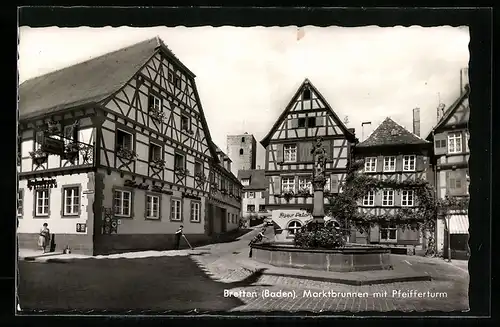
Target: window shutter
{"type": "Point", "coordinates": [328, 148]}
{"type": "Point", "coordinates": [380, 164]}
{"type": "Point", "coordinates": [463, 181]}
{"type": "Point", "coordinates": [150, 101]}
{"type": "Point", "coordinates": [299, 150]}
{"type": "Point", "coordinates": [319, 121]}
{"type": "Point", "coordinates": [398, 196]}
{"type": "Point", "coordinates": [438, 138]}
{"type": "Point", "coordinates": [375, 234]}
{"type": "Point", "coordinates": [419, 163]}
{"type": "Point", "coordinates": [277, 184]}
{"type": "Point", "coordinates": [399, 163]}
{"type": "Point", "coordinates": [407, 235]}
{"type": "Point", "coordinates": [334, 178]}
{"type": "Point", "coordinates": [279, 155]}
{"type": "Point", "coordinates": [295, 123]}
{"type": "Point", "coordinates": [378, 198]}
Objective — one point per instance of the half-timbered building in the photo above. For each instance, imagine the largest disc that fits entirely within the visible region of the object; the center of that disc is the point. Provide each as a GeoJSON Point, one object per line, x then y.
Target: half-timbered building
{"type": "Point", "coordinates": [450, 161]}
{"type": "Point", "coordinates": [255, 192]}
{"type": "Point", "coordinates": [289, 162]}
{"type": "Point", "coordinates": [224, 202]}
{"type": "Point", "coordinates": [114, 153]}
{"type": "Point", "coordinates": [391, 152]}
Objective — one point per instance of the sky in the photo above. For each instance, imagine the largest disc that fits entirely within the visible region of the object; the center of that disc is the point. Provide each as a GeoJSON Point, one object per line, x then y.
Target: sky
{"type": "Point", "coordinates": [246, 76]}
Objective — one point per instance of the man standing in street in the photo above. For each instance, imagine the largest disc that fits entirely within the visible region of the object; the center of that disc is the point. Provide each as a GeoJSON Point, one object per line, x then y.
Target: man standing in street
{"type": "Point", "coordinates": [178, 236]}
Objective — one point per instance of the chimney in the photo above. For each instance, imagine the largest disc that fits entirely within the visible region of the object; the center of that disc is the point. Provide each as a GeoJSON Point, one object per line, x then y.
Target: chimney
{"type": "Point", "coordinates": [416, 121]}
{"type": "Point", "coordinates": [464, 79]}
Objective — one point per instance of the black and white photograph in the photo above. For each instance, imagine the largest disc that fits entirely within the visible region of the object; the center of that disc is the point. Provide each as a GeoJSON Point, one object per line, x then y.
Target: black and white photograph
{"type": "Point", "coordinates": [243, 169]}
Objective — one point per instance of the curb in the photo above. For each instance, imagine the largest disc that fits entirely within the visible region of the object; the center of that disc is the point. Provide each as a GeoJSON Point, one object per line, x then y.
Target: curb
{"type": "Point", "coordinates": [353, 282]}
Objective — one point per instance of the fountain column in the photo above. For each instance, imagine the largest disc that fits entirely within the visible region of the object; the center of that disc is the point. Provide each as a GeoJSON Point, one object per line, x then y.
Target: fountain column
{"type": "Point", "coordinates": [319, 181]}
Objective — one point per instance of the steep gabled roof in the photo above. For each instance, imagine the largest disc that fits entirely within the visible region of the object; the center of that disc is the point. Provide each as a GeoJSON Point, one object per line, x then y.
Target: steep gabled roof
{"type": "Point", "coordinates": [87, 82]}
{"type": "Point", "coordinates": [391, 133]}
{"type": "Point", "coordinates": [450, 111]}
{"type": "Point", "coordinates": [265, 141]}
{"type": "Point", "coordinates": [257, 179]}
{"type": "Point", "coordinates": [94, 81]}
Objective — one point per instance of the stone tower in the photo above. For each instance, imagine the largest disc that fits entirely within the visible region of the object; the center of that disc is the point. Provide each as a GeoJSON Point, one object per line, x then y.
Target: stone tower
{"type": "Point", "coordinates": [242, 149]}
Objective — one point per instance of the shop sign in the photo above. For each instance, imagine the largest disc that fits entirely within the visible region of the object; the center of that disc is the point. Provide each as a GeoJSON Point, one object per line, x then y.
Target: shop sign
{"type": "Point", "coordinates": [41, 184]}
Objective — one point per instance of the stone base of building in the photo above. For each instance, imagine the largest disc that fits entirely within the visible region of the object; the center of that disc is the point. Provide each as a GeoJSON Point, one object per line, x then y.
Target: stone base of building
{"type": "Point", "coordinates": [81, 244]}
{"type": "Point", "coordinates": [119, 243]}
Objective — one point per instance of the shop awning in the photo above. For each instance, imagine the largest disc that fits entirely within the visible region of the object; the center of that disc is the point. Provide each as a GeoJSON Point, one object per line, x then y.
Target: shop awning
{"type": "Point", "coordinates": [459, 224]}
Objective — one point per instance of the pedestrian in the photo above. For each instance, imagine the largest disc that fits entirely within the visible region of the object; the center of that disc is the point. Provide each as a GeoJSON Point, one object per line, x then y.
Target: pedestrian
{"type": "Point", "coordinates": [178, 236]}
{"type": "Point", "coordinates": [44, 237]}
{"type": "Point", "coordinates": [258, 238]}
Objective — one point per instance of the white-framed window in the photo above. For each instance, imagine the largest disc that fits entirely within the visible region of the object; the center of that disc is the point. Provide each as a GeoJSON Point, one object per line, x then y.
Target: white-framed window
{"type": "Point", "coordinates": [455, 142]}
{"type": "Point", "coordinates": [155, 102]}
{"type": "Point", "coordinates": [369, 199]}
{"type": "Point", "coordinates": [175, 212]}
{"type": "Point", "coordinates": [293, 227]}
{"type": "Point", "coordinates": [70, 134]}
{"type": "Point", "coordinates": [154, 152]}
{"type": "Point", "coordinates": [388, 232]}
{"type": "Point", "coordinates": [71, 201]}
{"type": "Point", "coordinates": [179, 161]}
{"type": "Point", "coordinates": [245, 181]}
{"type": "Point", "coordinates": [39, 137]}
{"type": "Point", "coordinates": [123, 139]}
{"type": "Point", "coordinates": [20, 202]}
{"type": "Point", "coordinates": [42, 202]}
{"type": "Point", "coordinates": [185, 123]}
{"type": "Point", "coordinates": [370, 165]}
{"type": "Point", "coordinates": [288, 184]}
{"type": "Point", "coordinates": [122, 203]}
{"type": "Point", "coordinates": [195, 212]}
{"type": "Point", "coordinates": [305, 184]}
{"type": "Point", "coordinates": [407, 198]}
{"type": "Point", "coordinates": [326, 188]}
{"type": "Point", "coordinates": [152, 206]}
{"type": "Point", "coordinates": [251, 195]}
{"type": "Point", "coordinates": [290, 153]}
{"type": "Point", "coordinates": [409, 163]}
{"type": "Point", "coordinates": [390, 163]}
{"type": "Point", "coordinates": [387, 198]}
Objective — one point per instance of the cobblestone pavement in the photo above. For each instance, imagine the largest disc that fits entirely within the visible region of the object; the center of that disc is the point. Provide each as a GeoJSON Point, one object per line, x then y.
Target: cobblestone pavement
{"type": "Point", "coordinates": [446, 292]}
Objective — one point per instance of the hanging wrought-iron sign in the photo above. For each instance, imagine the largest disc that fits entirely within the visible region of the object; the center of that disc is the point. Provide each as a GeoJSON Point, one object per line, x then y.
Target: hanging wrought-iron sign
{"type": "Point", "coordinates": [81, 228]}
{"type": "Point", "coordinates": [53, 146]}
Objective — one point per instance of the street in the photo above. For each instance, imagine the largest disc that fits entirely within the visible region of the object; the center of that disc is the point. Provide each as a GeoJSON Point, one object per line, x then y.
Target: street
{"type": "Point", "coordinates": [211, 278]}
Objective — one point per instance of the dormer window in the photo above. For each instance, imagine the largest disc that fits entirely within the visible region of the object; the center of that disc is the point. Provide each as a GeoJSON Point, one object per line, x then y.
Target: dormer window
{"type": "Point", "coordinates": [245, 181]}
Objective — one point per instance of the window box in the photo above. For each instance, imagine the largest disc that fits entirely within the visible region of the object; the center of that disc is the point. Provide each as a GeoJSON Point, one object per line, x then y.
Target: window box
{"type": "Point", "coordinates": [287, 195]}
{"type": "Point", "coordinates": [200, 177]}
{"type": "Point", "coordinates": [305, 192]}
{"type": "Point", "coordinates": [39, 156]}
{"type": "Point", "coordinates": [157, 163]}
{"type": "Point", "coordinates": [156, 114]}
{"type": "Point", "coordinates": [125, 153]}
{"type": "Point", "coordinates": [181, 172]}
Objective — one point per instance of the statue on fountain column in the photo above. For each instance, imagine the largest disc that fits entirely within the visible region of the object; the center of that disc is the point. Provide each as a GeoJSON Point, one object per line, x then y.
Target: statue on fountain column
{"type": "Point", "coordinates": [319, 154]}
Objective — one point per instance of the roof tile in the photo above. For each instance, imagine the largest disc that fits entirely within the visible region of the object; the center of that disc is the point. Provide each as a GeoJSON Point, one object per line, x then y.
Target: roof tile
{"type": "Point", "coordinates": [391, 133]}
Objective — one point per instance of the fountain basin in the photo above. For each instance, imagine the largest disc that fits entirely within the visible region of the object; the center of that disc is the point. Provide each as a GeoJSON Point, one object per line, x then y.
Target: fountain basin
{"type": "Point", "coordinates": [349, 258]}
